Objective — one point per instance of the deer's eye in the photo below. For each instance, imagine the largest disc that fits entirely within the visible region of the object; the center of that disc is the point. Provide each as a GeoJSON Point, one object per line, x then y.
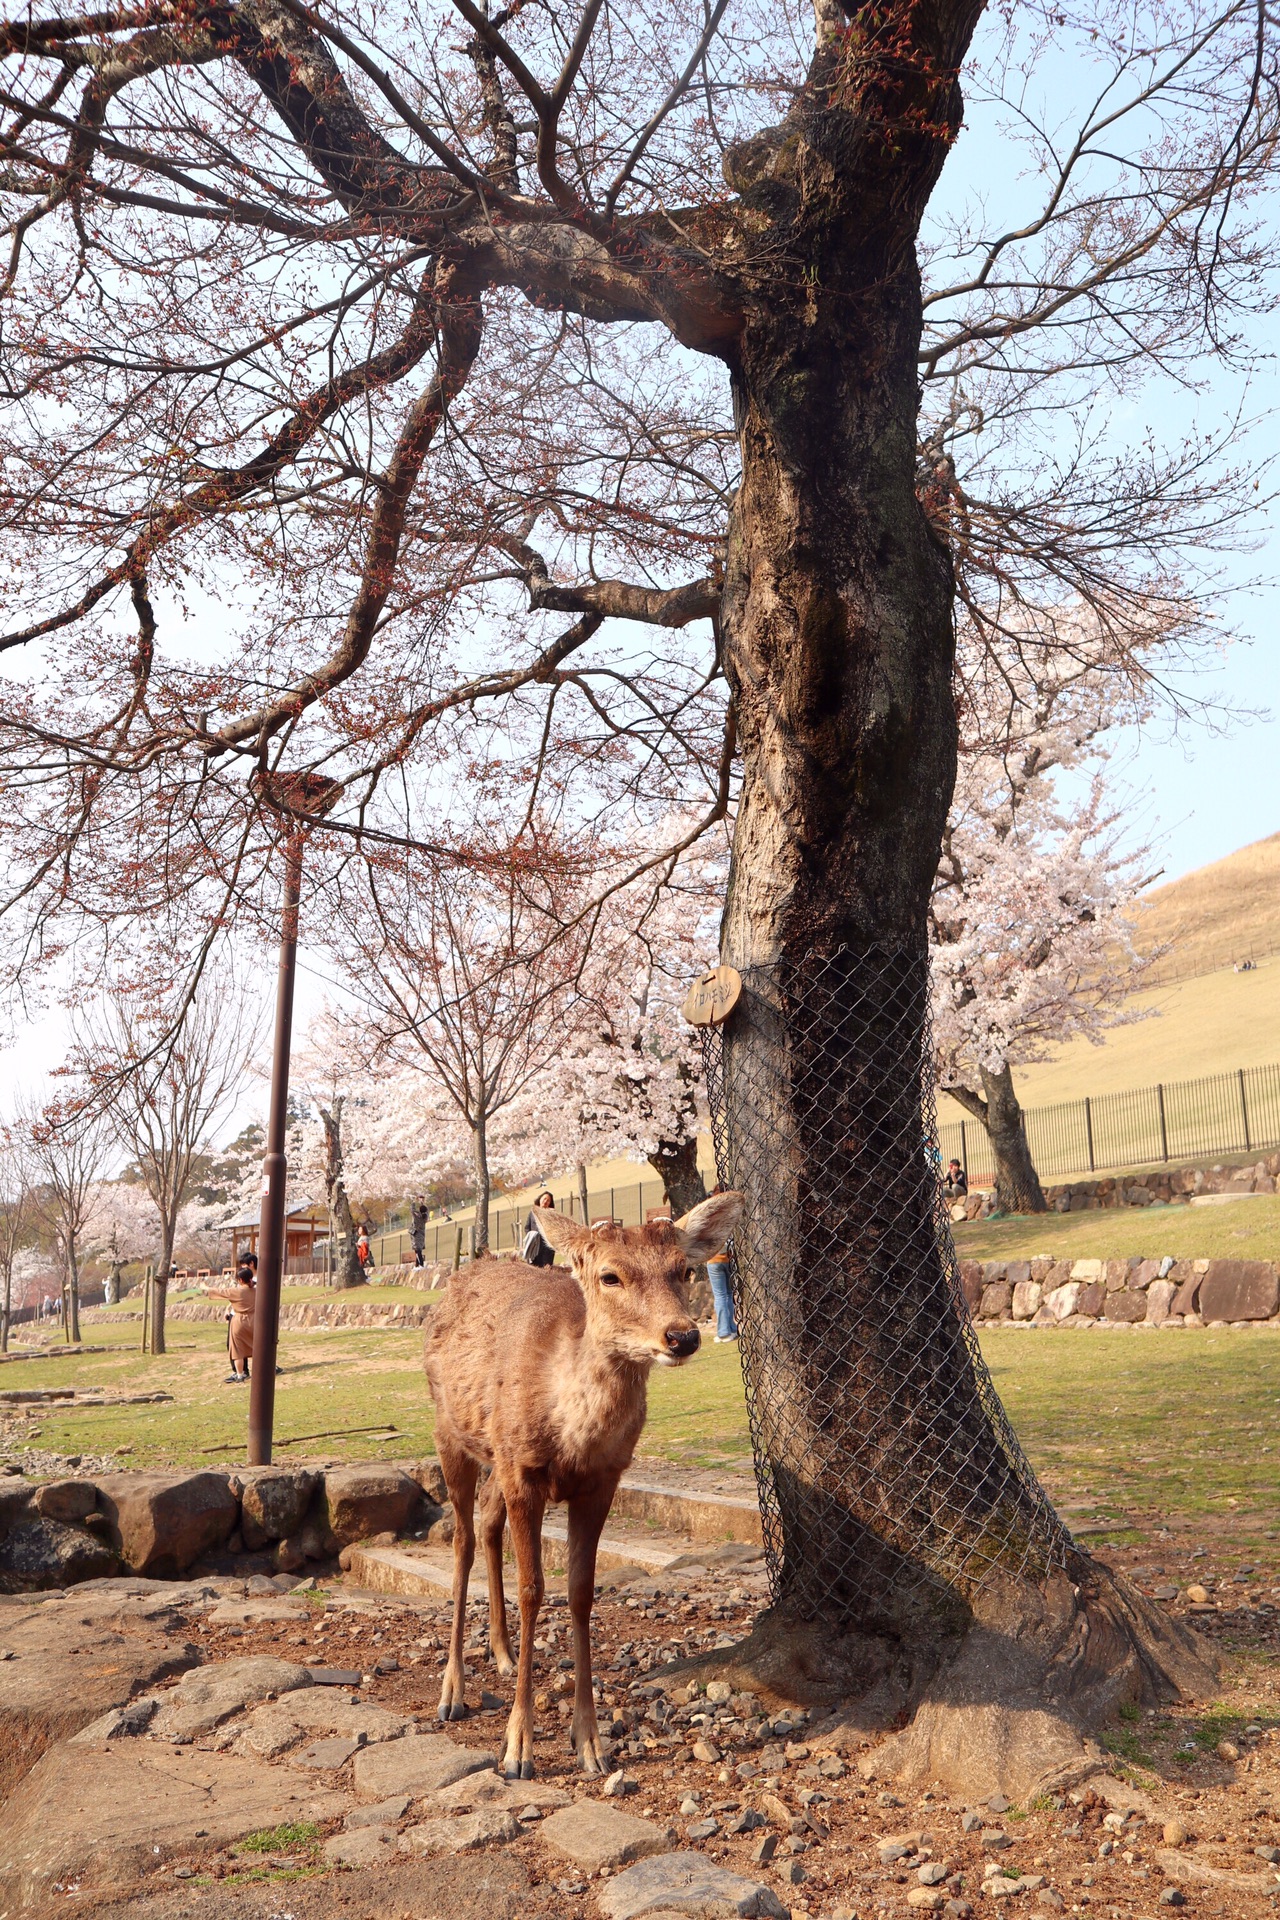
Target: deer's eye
{"type": "Point", "coordinates": [610, 1279]}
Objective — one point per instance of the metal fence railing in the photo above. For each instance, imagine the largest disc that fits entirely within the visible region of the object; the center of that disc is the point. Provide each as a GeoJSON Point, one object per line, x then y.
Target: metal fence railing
{"type": "Point", "coordinates": [629, 1205]}
{"type": "Point", "coordinates": [1174, 1120]}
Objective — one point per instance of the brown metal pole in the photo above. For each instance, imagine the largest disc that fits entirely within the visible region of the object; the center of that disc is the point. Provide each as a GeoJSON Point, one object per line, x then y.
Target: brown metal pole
{"type": "Point", "coordinates": [266, 1318]}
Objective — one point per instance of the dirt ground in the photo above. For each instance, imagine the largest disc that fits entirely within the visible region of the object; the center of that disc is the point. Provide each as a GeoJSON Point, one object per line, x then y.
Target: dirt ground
{"type": "Point", "coordinates": [1213, 1766]}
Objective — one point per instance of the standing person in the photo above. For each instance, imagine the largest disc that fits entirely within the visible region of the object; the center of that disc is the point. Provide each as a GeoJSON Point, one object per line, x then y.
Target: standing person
{"type": "Point", "coordinates": [536, 1251]}
{"type": "Point", "coordinates": [364, 1252]}
{"type": "Point", "coordinates": [722, 1292]}
{"type": "Point", "coordinates": [418, 1230]}
{"type": "Point", "coordinates": [240, 1298]}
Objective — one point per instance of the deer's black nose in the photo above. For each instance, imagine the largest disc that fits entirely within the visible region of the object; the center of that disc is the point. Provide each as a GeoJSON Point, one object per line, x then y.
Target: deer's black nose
{"type": "Point", "coordinates": [683, 1340]}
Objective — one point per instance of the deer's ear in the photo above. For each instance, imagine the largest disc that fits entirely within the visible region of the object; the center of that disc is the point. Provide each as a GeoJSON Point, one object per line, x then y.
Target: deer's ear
{"type": "Point", "coordinates": [705, 1228]}
{"type": "Point", "coordinates": [560, 1232]}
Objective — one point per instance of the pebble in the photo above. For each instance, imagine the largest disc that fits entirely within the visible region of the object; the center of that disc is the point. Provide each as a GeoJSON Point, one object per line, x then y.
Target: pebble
{"type": "Point", "coordinates": [765, 1848]}
{"type": "Point", "coordinates": [719, 1692]}
{"type": "Point", "coordinates": [620, 1784]}
{"type": "Point", "coordinates": [689, 1805]}
{"type": "Point", "coordinates": [1227, 1750]}
{"type": "Point", "coordinates": [1175, 1833]}
{"type": "Point", "coordinates": [932, 1873]}
{"type": "Point", "coordinates": [927, 1898]}
{"type": "Point", "coordinates": [1173, 1897]}
{"type": "Point", "coordinates": [704, 1829]}
{"type": "Point", "coordinates": [793, 1873]}
{"type": "Point", "coordinates": [1048, 1897]}
{"type": "Point", "coordinates": [1198, 1595]}
{"type": "Point", "coordinates": [995, 1838]}
{"type": "Point", "coordinates": [706, 1751]}
{"type": "Point", "coordinates": [970, 1822]}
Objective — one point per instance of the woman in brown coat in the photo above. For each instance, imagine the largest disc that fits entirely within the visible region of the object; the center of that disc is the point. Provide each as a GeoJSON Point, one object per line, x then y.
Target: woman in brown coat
{"type": "Point", "coordinates": [240, 1346]}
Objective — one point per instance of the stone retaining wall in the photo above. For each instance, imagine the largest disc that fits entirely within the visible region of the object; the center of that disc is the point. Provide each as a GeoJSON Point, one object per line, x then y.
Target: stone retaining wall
{"type": "Point", "coordinates": [1159, 1186]}
{"type": "Point", "coordinates": [1123, 1293]}
{"type": "Point", "coordinates": [58, 1532]}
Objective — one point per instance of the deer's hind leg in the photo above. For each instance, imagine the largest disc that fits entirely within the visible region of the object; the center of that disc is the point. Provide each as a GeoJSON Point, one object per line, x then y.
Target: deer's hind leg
{"type": "Point", "coordinates": [460, 1475]}
{"type": "Point", "coordinates": [493, 1520]}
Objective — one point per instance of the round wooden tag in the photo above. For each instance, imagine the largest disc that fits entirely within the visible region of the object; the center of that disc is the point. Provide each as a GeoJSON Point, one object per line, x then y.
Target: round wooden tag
{"type": "Point", "coordinates": [713, 997]}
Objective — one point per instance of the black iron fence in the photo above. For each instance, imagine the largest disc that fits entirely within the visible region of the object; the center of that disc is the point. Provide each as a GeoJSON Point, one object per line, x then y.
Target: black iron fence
{"type": "Point", "coordinates": [1175, 1120]}
{"type": "Point", "coordinates": [630, 1205]}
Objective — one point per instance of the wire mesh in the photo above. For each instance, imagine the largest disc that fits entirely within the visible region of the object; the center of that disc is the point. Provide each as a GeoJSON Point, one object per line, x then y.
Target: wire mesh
{"type": "Point", "coordinates": [886, 1464]}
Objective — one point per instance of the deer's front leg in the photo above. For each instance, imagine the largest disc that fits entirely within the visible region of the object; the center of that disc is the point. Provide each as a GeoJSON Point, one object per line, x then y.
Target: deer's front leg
{"type": "Point", "coordinates": [460, 1474]}
{"type": "Point", "coordinates": [524, 1517]}
{"type": "Point", "coordinates": [587, 1516]}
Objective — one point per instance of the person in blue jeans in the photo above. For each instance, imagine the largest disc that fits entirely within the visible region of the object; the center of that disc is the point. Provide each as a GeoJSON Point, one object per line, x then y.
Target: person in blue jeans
{"type": "Point", "coordinates": [722, 1292]}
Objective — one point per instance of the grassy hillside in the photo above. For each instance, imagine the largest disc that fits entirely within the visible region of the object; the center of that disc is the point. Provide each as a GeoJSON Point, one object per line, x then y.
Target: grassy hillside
{"type": "Point", "coordinates": [1218, 914]}
{"type": "Point", "coordinates": [1209, 1023]}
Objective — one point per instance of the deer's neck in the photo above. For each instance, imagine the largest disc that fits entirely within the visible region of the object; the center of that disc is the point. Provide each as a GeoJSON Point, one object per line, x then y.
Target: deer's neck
{"type": "Point", "coordinates": [600, 1407]}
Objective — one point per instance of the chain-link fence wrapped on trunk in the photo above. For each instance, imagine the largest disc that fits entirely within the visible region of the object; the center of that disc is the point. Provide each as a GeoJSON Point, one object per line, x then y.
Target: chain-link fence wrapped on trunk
{"type": "Point", "coordinates": [890, 1478]}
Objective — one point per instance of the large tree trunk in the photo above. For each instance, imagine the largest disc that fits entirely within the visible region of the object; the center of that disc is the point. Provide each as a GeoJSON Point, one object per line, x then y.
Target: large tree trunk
{"type": "Point", "coordinates": [160, 1290]}
{"type": "Point", "coordinates": [480, 1167]}
{"type": "Point", "coordinates": [920, 1570]}
{"type": "Point", "coordinates": [677, 1166]}
{"type": "Point", "coordinates": [1018, 1187]}
{"type": "Point", "coordinates": [346, 1269]}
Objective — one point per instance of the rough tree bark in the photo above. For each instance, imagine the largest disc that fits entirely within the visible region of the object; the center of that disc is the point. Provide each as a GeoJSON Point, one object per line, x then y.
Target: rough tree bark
{"type": "Point", "coordinates": [480, 1167]}
{"type": "Point", "coordinates": [1018, 1188]}
{"type": "Point", "coordinates": [160, 1288]}
{"type": "Point", "coordinates": [347, 1271]}
{"type": "Point", "coordinates": [838, 642]}
{"type": "Point", "coordinates": [676, 1164]}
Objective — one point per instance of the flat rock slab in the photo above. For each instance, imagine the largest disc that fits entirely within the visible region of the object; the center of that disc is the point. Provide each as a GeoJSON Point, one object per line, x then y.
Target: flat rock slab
{"type": "Point", "coordinates": [361, 1847]}
{"type": "Point", "coordinates": [462, 1886]}
{"type": "Point", "coordinates": [324, 1754]}
{"type": "Point", "coordinates": [419, 1764]}
{"type": "Point", "coordinates": [106, 1817]}
{"type": "Point", "coordinates": [256, 1612]}
{"type": "Point", "coordinates": [384, 1813]}
{"type": "Point", "coordinates": [203, 1699]}
{"type": "Point", "coordinates": [491, 1790]}
{"type": "Point", "coordinates": [490, 1826]}
{"type": "Point", "coordinates": [1185, 1866]}
{"type": "Point", "coordinates": [687, 1883]}
{"type": "Point", "coordinates": [322, 1710]}
{"type": "Point", "coordinates": [71, 1666]}
{"type": "Point", "coordinates": [595, 1836]}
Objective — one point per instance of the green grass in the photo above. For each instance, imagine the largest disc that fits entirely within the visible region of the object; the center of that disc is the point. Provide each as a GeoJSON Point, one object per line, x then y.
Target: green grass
{"type": "Point", "coordinates": [280, 1839]}
{"type": "Point", "coordinates": [1180, 1424]}
{"type": "Point", "coordinates": [1242, 1230]}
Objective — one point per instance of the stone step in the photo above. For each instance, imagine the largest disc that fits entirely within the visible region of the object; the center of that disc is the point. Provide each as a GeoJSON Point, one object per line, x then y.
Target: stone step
{"type": "Point", "coordinates": [428, 1572]}
{"type": "Point", "coordinates": [707, 1518]}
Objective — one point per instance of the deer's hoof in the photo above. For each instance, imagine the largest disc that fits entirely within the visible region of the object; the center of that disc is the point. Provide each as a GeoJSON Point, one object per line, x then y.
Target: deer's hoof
{"type": "Point", "coordinates": [453, 1710]}
{"type": "Point", "coordinates": [505, 1665]}
{"type": "Point", "coordinates": [517, 1770]}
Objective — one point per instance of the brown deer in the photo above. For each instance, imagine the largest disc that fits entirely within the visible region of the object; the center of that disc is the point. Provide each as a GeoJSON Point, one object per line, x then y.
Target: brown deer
{"type": "Point", "coordinates": [541, 1374]}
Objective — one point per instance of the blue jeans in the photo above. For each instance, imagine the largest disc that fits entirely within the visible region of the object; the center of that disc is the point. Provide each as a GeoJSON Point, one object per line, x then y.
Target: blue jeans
{"type": "Point", "coordinates": [722, 1294]}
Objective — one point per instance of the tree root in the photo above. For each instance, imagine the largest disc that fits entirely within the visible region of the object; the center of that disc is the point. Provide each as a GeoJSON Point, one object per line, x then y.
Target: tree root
{"type": "Point", "coordinates": [1005, 1705]}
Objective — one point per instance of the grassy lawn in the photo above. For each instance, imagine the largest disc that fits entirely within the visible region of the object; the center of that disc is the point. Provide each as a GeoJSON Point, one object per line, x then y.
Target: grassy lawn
{"type": "Point", "coordinates": [1241, 1230]}
{"type": "Point", "coordinates": [1182, 1425]}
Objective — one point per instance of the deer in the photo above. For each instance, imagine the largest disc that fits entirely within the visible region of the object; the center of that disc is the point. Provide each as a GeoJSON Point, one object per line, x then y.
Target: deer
{"type": "Point", "coordinates": [541, 1374]}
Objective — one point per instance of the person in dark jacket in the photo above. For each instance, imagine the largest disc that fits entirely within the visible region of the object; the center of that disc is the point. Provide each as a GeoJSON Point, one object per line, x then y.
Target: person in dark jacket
{"type": "Point", "coordinates": [536, 1251]}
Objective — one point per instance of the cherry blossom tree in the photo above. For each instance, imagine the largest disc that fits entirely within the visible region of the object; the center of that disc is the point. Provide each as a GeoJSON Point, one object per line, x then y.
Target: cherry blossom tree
{"type": "Point", "coordinates": [609, 413]}
{"type": "Point", "coordinates": [69, 1143]}
{"type": "Point", "coordinates": [164, 1081]}
{"type": "Point", "coordinates": [468, 980]}
{"type": "Point", "coordinates": [123, 1227]}
{"type": "Point", "coordinates": [17, 1217]}
{"type": "Point", "coordinates": [1031, 936]}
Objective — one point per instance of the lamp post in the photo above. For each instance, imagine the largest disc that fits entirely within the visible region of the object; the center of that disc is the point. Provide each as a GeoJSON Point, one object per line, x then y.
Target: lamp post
{"type": "Point", "coordinates": [299, 798]}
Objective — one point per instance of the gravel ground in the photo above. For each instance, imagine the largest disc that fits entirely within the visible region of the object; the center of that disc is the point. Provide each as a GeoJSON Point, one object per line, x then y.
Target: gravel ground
{"type": "Point", "coordinates": [1213, 1769]}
